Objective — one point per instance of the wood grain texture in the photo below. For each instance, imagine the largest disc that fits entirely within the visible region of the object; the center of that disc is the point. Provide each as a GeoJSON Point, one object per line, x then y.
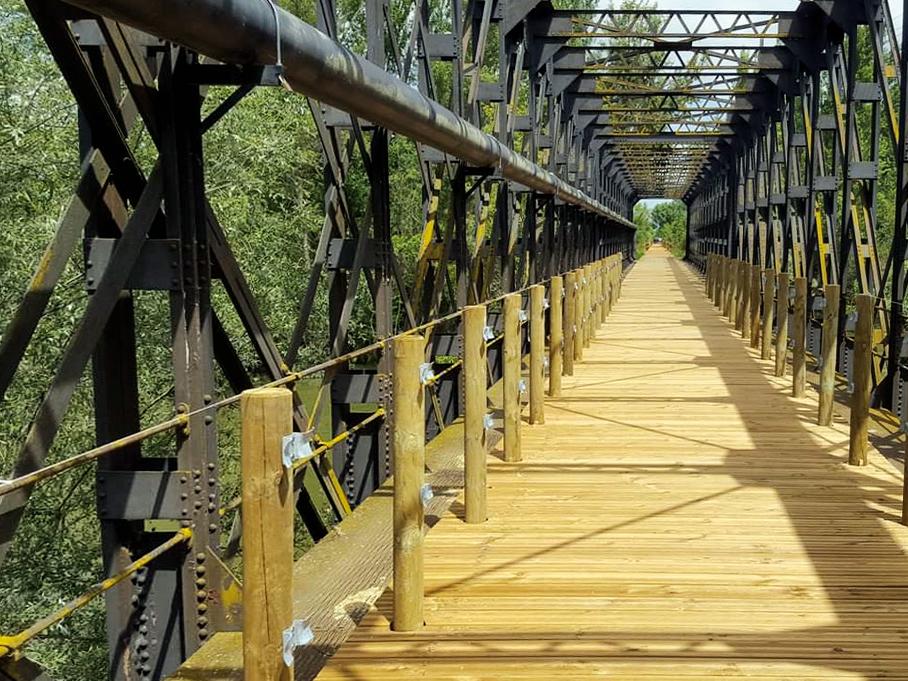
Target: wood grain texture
{"type": "Point", "coordinates": [570, 322]}
{"type": "Point", "coordinates": [408, 455]}
{"type": "Point", "coordinates": [860, 396]}
{"type": "Point", "coordinates": [799, 351]}
{"type": "Point", "coordinates": [782, 317]}
{"type": "Point", "coordinates": [826, 396]}
{"type": "Point", "coordinates": [556, 335]}
{"type": "Point", "coordinates": [475, 380]}
{"type": "Point", "coordinates": [679, 516]}
{"type": "Point", "coordinates": [268, 513]}
{"type": "Point", "coordinates": [537, 354]}
{"type": "Point", "coordinates": [511, 375]}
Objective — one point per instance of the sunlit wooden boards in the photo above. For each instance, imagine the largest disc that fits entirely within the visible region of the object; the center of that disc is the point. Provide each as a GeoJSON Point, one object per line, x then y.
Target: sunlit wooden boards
{"type": "Point", "coordinates": [678, 516]}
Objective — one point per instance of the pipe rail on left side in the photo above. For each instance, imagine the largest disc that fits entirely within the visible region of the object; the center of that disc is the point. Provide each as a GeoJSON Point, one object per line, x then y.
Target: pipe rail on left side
{"type": "Point", "coordinates": [244, 32]}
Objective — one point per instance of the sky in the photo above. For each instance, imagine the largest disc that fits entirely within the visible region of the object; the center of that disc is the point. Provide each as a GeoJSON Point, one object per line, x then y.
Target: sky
{"type": "Point", "coordinates": [897, 8]}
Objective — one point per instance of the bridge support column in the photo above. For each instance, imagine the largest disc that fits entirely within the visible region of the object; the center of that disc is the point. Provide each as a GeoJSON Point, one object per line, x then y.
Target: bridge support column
{"type": "Point", "coordinates": [832, 294]}
{"type": "Point", "coordinates": [268, 510]}
{"type": "Point", "coordinates": [570, 323]}
{"type": "Point", "coordinates": [556, 335]}
{"type": "Point", "coordinates": [732, 303]}
{"type": "Point", "coordinates": [769, 291]}
{"type": "Point", "coordinates": [511, 379]}
{"type": "Point", "coordinates": [537, 354]}
{"type": "Point", "coordinates": [408, 442]}
{"type": "Point", "coordinates": [475, 371]}
{"type": "Point", "coordinates": [860, 398]}
{"type": "Point", "coordinates": [799, 352]}
{"type": "Point", "coordinates": [782, 320]}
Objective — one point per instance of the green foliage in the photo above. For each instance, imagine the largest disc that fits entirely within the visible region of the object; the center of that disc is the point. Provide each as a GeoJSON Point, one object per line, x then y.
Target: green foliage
{"type": "Point", "coordinates": [265, 178]}
{"type": "Point", "coordinates": [643, 219]}
{"type": "Point", "coordinates": [670, 225]}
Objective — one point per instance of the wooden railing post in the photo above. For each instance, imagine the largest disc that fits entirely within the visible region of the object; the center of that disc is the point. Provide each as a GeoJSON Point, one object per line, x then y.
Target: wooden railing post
{"type": "Point", "coordinates": [732, 303]}
{"type": "Point", "coordinates": [713, 276]}
{"type": "Point", "coordinates": [782, 317]}
{"type": "Point", "coordinates": [600, 293]}
{"type": "Point", "coordinates": [756, 274]}
{"type": "Point", "coordinates": [736, 295]}
{"type": "Point", "coordinates": [408, 452]}
{"type": "Point", "coordinates": [569, 324]}
{"type": "Point", "coordinates": [799, 352]}
{"type": "Point", "coordinates": [619, 268]}
{"type": "Point", "coordinates": [579, 309]}
{"type": "Point", "coordinates": [769, 292]}
{"type": "Point", "coordinates": [725, 309]}
{"type": "Point", "coordinates": [594, 299]}
{"type": "Point", "coordinates": [511, 378]}
{"type": "Point", "coordinates": [268, 511]}
{"type": "Point", "coordinates": [831, 295]}
{"type": "Point", "coordinates": [603, 289]}
{"type": "Point", "coordinates": [720, 282]}
{"type": "Point", "coordinates": [733, 293]}
{"type": "Point", "coordinates": [744, 304]}
{"type": "Point", "coordinates": [556, 335]}
{"type": "Point", "coordinates": [537, 354]}
{"type": "Point", "coordinates": [475, 370]}
{"type": "Point", "coordinates": [587, 305]}
{"type": "Point", "coordinates": [860, 397]}
{"type": "Point", "coordinates": [707, 282]}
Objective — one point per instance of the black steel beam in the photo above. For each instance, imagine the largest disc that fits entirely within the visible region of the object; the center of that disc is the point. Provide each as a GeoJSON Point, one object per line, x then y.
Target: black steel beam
{"type": "Point", "coordinates": [249, 32]}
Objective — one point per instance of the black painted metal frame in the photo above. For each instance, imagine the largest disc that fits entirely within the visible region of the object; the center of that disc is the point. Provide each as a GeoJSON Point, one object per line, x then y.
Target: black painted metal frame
{"type": "Point", "coordinates": [159, 232]}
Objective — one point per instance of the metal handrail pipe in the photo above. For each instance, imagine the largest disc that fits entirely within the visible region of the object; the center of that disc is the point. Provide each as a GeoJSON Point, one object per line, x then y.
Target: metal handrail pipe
{"type": "Point", "coordinates": [252, 32]}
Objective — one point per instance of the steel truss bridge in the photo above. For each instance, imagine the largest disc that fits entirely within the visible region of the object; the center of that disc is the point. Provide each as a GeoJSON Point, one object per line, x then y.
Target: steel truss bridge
{"type": "Point", "coordinates": [537, 130]}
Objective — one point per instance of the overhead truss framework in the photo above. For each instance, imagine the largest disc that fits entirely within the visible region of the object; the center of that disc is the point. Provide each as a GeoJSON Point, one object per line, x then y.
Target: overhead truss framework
{"type": "Point", "coordinates": [536, 132]}
{"type": "Point", "coordinates": [512, 195]}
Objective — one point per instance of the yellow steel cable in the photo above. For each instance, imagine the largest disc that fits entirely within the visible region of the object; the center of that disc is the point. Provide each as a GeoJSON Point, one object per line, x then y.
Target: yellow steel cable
{"type": "Point", "coordinates": [11, 645]}
{"type": "Point", "coordinates": [7, 486]}
{"type": "Point", "coordinates": [317, 452]}
{"type": "Point", "coordinates": [182, 419]}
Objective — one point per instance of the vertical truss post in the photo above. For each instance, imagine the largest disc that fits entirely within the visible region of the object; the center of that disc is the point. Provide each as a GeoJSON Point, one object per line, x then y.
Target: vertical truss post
{"type": "Point", "coordinates": [191, 322]}
{"type": "Point", "coordinates": [899, 242]}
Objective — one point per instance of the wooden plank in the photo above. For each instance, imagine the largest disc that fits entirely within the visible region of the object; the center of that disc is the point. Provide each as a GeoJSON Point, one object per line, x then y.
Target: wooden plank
{"type": "Point", "coordinates": [336, 582]}
{"type": "Point", "coordinates": [680, 515]}
{"type": "Point", "coordinates": [268, 513]}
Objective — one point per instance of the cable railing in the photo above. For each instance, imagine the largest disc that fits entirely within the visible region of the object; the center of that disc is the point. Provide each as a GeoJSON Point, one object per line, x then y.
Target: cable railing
{"type": "Point", "coordinates": [739, 290]}
{"type": "Point", "coordinates": [588, 294]}
{"type": "Point", "coordinates": [11, 645]}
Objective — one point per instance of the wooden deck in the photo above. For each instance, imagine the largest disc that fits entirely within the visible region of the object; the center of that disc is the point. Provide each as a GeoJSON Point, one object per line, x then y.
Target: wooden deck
{"type": "Point", "coordinates": [678, 516]}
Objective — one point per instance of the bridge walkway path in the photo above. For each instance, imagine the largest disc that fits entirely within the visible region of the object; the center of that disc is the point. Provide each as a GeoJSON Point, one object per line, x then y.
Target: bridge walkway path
{"type": "Point", "coordinates": [679, 515]}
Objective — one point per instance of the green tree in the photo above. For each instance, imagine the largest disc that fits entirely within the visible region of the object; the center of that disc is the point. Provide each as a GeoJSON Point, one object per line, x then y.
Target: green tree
{"type": "Point", "coordinates": [643, 219]}
{"type": "Point", "coordinates": [670, 225]}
